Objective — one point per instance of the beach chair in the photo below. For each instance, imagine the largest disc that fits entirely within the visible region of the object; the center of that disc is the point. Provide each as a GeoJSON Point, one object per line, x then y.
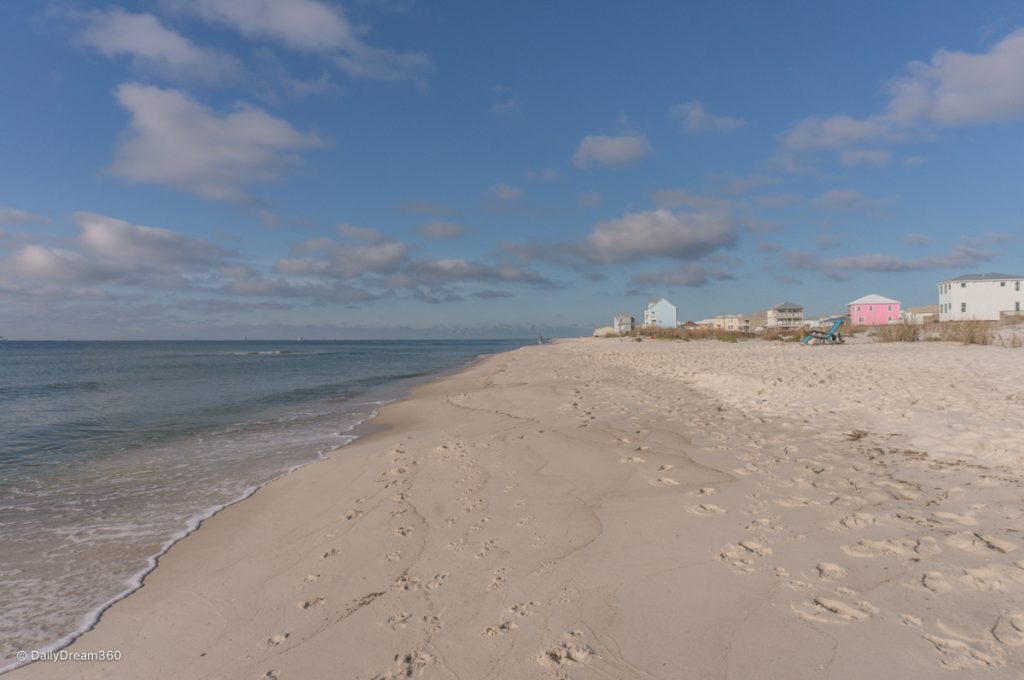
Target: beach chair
{"type": "Point", "coordinates": [830, 337]}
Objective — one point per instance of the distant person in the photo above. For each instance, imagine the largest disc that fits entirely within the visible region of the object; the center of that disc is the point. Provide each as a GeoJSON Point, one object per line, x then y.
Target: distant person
{"type": "Point", "coordinates": [540, 339]}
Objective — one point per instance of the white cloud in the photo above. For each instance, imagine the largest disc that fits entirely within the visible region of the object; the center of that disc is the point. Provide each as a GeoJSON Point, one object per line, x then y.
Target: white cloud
{"type": "Point", "coordinates": [448, 270]}
{"type": "Point", "coordinates": [874, 157]}
{"type": "Point", "coordinates": [153, 47]}
{"type": "Point", "coordinates": [373, 253]}
{"type": "Point", "coordinates": [116, 240]}
{"type": "Point", "coordinates": [440, 229]}
{"type": "Point", "coordinates": [959, 256]}
{"type": "Point", "coordinates": [109, 250]}
{"type": "Point", "coordinates": [175, 141]}
{"type": "Point", "coordinates": [696, 118]}
{"type": "Point", "coordinates": [692, 274]}
{"type": "Point", "coordinates": [505, 192]}
{"type": "Point", "coordinates": [13, 216]}
{"type": "Point", "coordinates": [917, 239]}
{"type": "Point", "coordinates": [954, 88]}
{"type": "Point", "coordinates": [605, 150]}
{"type": "Point", "coordinates": [660, 233]}
{"type": "Point", "coordinates": [848, 200]}
{"type": "Point", "coordinates": [312, 26]}
{"type": "Point", "coordinates": [431, 208]}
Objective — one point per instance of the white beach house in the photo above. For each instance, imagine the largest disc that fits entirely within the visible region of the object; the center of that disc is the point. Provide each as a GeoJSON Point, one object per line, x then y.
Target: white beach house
{"type": "Point", "coordinates": [785, 315]}
{"type": "Point", "coordinates": [660, 312]}
{"type": "Point", "coordinates": [980, 297]}
{"type": "Point", "coordinates": [623, 323]}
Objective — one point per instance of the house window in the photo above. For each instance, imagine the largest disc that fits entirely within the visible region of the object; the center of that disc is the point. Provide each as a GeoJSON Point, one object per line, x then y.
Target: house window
{"type": "Point", "coordinates": [871, 308]}
{"type": "Point", "coordinates": [1016, 285]}
{"type": "Point", "coordinates": [1016, 306]}
{"type": "Point", "coordinates": [861, 319]}
{"type": "Point", "coordinates": [890, 308]}
{"type": "Point", "coordinates": [963, 285]}
{"type": "Point", "coordinates": [1002, 284]}
{"type": "Point", "coordinates": [963, 306]}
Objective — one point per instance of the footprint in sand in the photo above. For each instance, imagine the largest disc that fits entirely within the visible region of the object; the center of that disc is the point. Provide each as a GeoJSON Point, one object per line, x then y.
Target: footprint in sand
{"type": "Point", "coordinates": [404, 531]}
{"type": "Point", "coordinates": [311, 577]}
{"type": "Point", "coordinates": [960, 654]}
{"type": "Point", "coordinates": [834, 611]}
{"type": "Point", "coordinates": [858, 520]}
{"type": "Point", "coordinates": [393, 556]}
{"type": "Point", "coordinates": [275, 640]}
{"type": "Point", "coordinates": [312, 603]}
{"type": "Point", "coordinates": [935, 582]}
{"type": "Point", "coordinates": [794, 502]}
{"type": "Point", "coordinates": [353, 514]}
{"type": "Point", "coordinates": [830, 571]}
{"type": "Point", "coordinates": [664, 481]}
{"type": "Point", "coordinates": [633, 459]}
{"type": "Point", "coordinates": [333, 552]}
{"type": "Point", "coordinates": [704, 491]}
{"type": "Point", "coordinates": [397, 621]}
{"type": "Point", "coordinates": [1009, 630]}
{"type": "Point", "coordinates": [500, 629]}
{"type": "Point", "coordinates": [983, 579]}
{"type": "Point", "coordinates": [963, 520]}
{"type": "Point", "coordinates": [568, 652]}
{"type": "Point", "coordinates": [705, 509]}
{"type": "Point", "coordinates": [666, 467]}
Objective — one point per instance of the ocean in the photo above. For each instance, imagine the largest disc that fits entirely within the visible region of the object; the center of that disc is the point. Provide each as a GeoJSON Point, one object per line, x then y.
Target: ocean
{"type": "Point", "coordinates": [112, 451]}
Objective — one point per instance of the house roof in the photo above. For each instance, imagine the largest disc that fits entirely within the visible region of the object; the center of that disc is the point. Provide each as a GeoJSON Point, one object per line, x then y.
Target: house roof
{"type": "Point", "coordinates": [927, 309]}
{"type": "Point", "coordinates": [654, 301]}
{"type": "Point", "coordinates": [873, 299]}
{"type": "Point", "coordinates": [991, 276]}
{"type": "Point", "coordinates": [788, 305]}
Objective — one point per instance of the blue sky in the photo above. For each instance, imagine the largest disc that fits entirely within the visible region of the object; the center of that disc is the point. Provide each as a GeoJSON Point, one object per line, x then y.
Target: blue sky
{"type": "Point", "coordinates": [392, 168]}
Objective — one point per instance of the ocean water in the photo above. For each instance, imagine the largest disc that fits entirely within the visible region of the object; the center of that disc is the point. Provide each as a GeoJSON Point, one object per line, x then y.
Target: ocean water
{"type": "Point", "coordinates": [111, 451]}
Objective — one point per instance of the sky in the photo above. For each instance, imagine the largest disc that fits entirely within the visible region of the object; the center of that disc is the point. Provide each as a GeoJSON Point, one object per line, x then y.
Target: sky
{"type": "Point", "coordinates": [400, 168]}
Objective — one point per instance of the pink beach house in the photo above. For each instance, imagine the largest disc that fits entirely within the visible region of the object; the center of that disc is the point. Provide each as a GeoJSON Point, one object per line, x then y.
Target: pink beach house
{"type": "Point", "coordinates": [873, 310]}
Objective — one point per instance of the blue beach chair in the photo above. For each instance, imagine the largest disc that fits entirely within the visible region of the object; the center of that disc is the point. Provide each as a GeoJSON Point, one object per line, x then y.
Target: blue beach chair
{"type": "Point", "coordinates": [830, 337]}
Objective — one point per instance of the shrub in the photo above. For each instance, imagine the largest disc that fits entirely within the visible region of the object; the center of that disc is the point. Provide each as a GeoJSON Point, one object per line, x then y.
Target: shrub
{"type": "Point", "coordinates": [901, 332]}
{"type": "Point", "coordinates": [967, 332]}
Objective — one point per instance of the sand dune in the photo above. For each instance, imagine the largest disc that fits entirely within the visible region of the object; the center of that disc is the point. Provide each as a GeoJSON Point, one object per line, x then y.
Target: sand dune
{"type": "Point", "coordinates": [609, 509]}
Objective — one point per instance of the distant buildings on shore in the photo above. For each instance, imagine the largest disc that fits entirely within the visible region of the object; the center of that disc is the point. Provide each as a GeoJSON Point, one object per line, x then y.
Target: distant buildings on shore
{"type": "Point", "coordinates": [785, 315]}
{"type": "Point", "coordinates": [987, 297]}
{"type": "Point", "coordinates": [873, 310]}
{"type": "Point", "coordinates": [982, 297]}
{"type": "Point", "coordinates": [661, 313]}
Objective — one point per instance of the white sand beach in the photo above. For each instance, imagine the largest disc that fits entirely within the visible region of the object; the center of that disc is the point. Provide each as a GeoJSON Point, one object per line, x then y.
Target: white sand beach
{"type": "Point", "coordinates": [613, 509]}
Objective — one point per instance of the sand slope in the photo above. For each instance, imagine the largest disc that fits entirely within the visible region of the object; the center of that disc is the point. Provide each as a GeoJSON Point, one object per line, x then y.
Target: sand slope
{"type": "Point", "coordinates": [607, 509]}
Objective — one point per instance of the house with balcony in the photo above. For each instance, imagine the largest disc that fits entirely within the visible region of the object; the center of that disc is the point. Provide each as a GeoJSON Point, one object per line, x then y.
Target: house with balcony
{"type": "Point", "coordinates": [873, 310]}
{"type": "Point", "coordinates": [660, 312]}
{"type": "Point", "coordinates": [981, 297]}
{"type": "Point", "coordinates": [785, 315]}
{"type": "Point", "coordinates": [623, 323]}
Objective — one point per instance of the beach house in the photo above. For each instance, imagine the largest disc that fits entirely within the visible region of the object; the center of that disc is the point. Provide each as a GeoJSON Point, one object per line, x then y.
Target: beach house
{"type": "Point", "coordinates": [921, 315]}
{"type": "Point", "coordinates": [660, 312]}
{"type": "Point", "coordinates": [738, 323]}
{"type": "Point", "coordinates": [873, 310]}
{"type": "Point", "coordinates": [623, 323]}
{"type": "Point", "coordinates": [785, 315]}
{"type": "Point", "coordinates": [981, 297]}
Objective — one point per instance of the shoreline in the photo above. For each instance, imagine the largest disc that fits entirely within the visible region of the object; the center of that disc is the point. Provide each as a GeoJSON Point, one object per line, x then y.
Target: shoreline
{"type": "Point", "coordinates": [402, 389]}
{"type": "Point", "coordinates": [618, 510]}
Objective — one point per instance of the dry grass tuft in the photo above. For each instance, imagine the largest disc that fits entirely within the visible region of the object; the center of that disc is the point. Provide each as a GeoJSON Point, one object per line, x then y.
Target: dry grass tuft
{"type": "Point", "coordinates": [901, 332]}
{"type": "Point", "coordinates": [967, 332]}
